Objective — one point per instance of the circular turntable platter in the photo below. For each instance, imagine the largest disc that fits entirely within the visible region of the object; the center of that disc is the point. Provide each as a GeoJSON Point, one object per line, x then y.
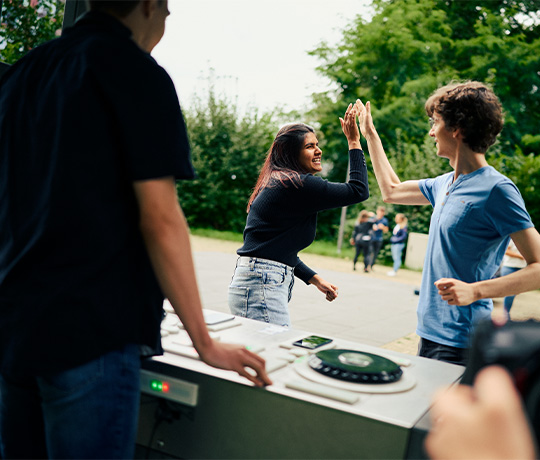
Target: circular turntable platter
{"type": "Point", "coordinates": [355, 366]}
{"type": "Point", "coordinates": [350, 362]}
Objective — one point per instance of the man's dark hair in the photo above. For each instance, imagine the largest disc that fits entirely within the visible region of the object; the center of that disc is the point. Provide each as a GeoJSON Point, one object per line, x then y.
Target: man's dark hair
{"type": "Point", "coordinates": [472, 108]}
{"type": "Point", "coordinates": [120, 8]}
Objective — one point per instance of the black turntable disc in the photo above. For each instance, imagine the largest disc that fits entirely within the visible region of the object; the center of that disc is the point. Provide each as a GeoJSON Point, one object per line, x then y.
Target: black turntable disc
{"type": "Point", "coordinates": [355, 366]}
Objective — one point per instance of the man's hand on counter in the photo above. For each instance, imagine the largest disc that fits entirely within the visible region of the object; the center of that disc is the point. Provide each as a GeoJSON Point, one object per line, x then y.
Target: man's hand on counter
{"type": "Point", "coordinates": [236, 358]}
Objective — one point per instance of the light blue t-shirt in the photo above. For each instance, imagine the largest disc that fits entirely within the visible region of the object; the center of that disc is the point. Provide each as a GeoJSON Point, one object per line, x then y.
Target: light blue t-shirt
{"type": "Point", "coordinates": [468, 234]}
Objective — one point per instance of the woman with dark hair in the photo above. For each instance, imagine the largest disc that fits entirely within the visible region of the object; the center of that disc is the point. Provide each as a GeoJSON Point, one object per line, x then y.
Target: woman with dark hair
{"type": "Point", "coordinates": [282, 219]}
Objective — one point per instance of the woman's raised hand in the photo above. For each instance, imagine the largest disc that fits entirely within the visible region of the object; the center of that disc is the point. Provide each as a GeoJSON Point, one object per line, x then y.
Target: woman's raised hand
{"type": "Point", "coordinates": [350, 128]}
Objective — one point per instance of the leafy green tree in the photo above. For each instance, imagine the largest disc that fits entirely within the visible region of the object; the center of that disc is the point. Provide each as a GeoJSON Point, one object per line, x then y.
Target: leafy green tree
{"type": "Point", "coordinates": [409, 48]}
{"type": "Point", "coordinates": [26, 24]}
{"type": "Point", "coordinates": [406, 50]}
{"type": "Point", "coordinates": [228, 151]}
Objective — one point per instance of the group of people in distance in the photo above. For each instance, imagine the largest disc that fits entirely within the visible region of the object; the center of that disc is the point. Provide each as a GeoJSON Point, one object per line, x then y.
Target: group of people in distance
{"type": "Point", "coordinates": [93, 239]}
{"type": "Point", "coordinates": [367, 238]}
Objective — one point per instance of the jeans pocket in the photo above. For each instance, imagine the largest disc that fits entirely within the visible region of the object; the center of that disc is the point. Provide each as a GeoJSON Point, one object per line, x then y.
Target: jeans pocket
{"type": "Point", "coordinates": [76, 378]}
{"type": "Point", "coordinates": [238, 300]}
{"type": "Point", "coordinates": [273, 277]}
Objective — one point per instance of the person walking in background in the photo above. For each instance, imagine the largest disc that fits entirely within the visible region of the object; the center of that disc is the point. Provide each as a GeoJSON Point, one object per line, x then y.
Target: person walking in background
{"type": "Point", "coordinates": [512, 262]}
{"type": "Point", "coordinates": [361, 238]}
{"type": "Point", "coordinates": [397, 241]}
{"type": "Point", "coordinates": [476, 211]}
{"type": "Point", "coordinates": [282, 220]}
{"type": "Point", "coordinates": [379, 228]}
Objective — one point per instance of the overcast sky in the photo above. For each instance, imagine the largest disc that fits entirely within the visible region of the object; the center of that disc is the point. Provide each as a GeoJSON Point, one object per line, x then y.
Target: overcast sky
{"type": "Point", "coordinates": [257, 48]}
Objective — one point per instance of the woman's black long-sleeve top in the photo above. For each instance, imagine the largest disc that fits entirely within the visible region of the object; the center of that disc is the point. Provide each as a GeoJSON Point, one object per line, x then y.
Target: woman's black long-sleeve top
{"type": "Point", "coordinates": [283, 217]}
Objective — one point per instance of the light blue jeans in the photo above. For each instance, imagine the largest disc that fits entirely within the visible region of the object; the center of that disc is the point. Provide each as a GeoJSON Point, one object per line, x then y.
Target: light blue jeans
{"type": "Point", "coordinates": [89, 411]}
{"type": "Point", "coordinates": [261, 289]}
{"type": "Point", "coordinates": [397, 252]}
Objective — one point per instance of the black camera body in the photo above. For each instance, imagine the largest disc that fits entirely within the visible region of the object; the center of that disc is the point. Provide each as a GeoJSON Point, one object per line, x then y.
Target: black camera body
{"type": "Point", "coordinates": [515, 346]}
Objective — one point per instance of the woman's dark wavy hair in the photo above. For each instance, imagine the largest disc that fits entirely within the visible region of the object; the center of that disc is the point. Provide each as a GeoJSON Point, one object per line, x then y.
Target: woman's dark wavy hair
{"type": "Point", "coordinates": [282, 161]}
{"type": "Point", "coordinates": [473, 108]}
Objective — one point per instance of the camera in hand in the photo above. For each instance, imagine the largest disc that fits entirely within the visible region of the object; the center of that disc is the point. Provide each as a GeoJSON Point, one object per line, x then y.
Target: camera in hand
{"type": "Point", "coordinates": [515, 346]}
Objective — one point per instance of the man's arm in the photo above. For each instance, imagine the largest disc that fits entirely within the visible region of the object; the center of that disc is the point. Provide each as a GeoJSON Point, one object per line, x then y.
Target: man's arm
{"type": "Point", "coordinates": [457, 292]}
{"type": "Point", "coordinates": [166, 236]}
{"type": "Point", "coordinates": [392, 189]}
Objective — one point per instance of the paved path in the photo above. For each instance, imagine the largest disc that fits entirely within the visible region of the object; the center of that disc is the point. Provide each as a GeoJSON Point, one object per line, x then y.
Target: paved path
{"type": "Point", "coordinates": [371, 308]}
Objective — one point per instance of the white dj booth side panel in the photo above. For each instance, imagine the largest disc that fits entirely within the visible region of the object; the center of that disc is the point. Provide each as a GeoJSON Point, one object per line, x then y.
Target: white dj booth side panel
{"type": "Point", "coordinates": [236, 421]}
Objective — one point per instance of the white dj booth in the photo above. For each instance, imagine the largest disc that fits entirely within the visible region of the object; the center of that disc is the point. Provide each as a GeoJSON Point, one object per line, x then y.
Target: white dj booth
{"type": "Point", "coordinates": [191, 410]}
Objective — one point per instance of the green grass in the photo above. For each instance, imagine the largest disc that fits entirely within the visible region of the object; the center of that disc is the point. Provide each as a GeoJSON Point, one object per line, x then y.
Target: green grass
{"type": "Point", "coordinates": [329, 248]}
{"type": "Point", "coordinates": [322, 248]}
{"type": "Point", "coordinates": [217, 234]}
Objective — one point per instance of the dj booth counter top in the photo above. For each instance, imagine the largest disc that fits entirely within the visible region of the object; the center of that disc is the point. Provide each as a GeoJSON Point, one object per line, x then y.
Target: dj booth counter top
{"type": "Point", "coordinates": [230, 418]}
{"type": "Point", "coordinates": [402, 408]}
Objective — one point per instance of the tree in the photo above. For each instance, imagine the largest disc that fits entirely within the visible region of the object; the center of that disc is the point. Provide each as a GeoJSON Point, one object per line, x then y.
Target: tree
{"type": "Point", "coordinates": [411, 47]}
{"type": "Point", "coordinates": [227, 151]}
{"type": "Point", "coordinates": [26, 24]}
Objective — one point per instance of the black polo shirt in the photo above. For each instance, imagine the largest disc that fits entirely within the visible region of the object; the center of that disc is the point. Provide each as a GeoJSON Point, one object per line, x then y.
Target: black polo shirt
{"type": "Point", "coordinates": [81, 118]}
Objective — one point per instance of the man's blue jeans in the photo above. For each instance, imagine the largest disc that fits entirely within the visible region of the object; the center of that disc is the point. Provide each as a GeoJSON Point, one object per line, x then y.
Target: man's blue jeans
{"type": "Point", "coordinates": [89, 411]}
{"type": "Point", "coordinates": [440, 352]}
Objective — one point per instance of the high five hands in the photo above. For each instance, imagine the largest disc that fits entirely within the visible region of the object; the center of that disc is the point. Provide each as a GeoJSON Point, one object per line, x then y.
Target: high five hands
{"type": "Point", "coordinates": [365, 121]}
{"type": "Point", "coordinates": [350, 128]}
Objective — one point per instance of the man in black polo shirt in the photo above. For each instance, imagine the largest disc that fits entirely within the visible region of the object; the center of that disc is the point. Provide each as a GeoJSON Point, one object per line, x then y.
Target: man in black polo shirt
{"type": "Point", "coordinates": [92, 236]}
